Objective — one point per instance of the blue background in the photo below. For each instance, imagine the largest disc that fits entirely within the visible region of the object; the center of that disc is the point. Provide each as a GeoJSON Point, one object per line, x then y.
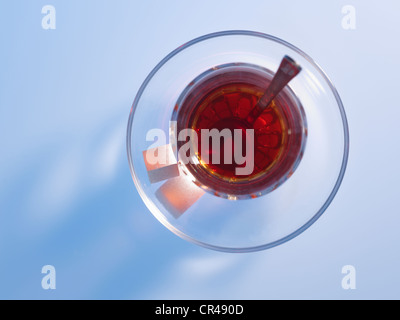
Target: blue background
{"type": "Point", "coordinates": [66, 194]}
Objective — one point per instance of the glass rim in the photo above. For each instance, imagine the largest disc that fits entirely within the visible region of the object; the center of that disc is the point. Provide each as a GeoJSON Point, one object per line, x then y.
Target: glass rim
{"type": "Point", "coordinates": [155, 210]}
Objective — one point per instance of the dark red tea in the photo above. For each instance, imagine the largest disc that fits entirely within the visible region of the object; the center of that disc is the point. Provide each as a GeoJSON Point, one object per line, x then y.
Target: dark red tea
{"type": "Point", "coordinates": [227, 107]}
{"type": "Point", "coordinates": [222, 98]}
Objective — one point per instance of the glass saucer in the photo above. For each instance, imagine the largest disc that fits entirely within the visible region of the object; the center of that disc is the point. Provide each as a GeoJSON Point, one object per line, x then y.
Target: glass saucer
{"type": "Point", "coordinates": [228, 223]}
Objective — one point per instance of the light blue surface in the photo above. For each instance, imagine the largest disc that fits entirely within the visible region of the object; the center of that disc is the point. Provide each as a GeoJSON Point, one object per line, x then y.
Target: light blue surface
{"type": "Point", "coordinates": [66, 195]}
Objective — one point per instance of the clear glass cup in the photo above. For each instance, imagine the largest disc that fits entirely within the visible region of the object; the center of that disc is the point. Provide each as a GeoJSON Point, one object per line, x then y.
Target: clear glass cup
{"type": "Point", "coordinates": [279, 155]}
{"type": "Point", "coordinates": [229, 223]}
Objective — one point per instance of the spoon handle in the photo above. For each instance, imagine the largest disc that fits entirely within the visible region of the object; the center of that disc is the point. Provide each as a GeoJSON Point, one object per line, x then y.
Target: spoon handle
{"type": "Point", "coordinates": [288, 69]}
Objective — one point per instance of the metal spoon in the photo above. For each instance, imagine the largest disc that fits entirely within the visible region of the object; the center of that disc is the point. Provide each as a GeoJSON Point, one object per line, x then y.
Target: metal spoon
{"type": "Point", "coordinates": [288, 69]}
